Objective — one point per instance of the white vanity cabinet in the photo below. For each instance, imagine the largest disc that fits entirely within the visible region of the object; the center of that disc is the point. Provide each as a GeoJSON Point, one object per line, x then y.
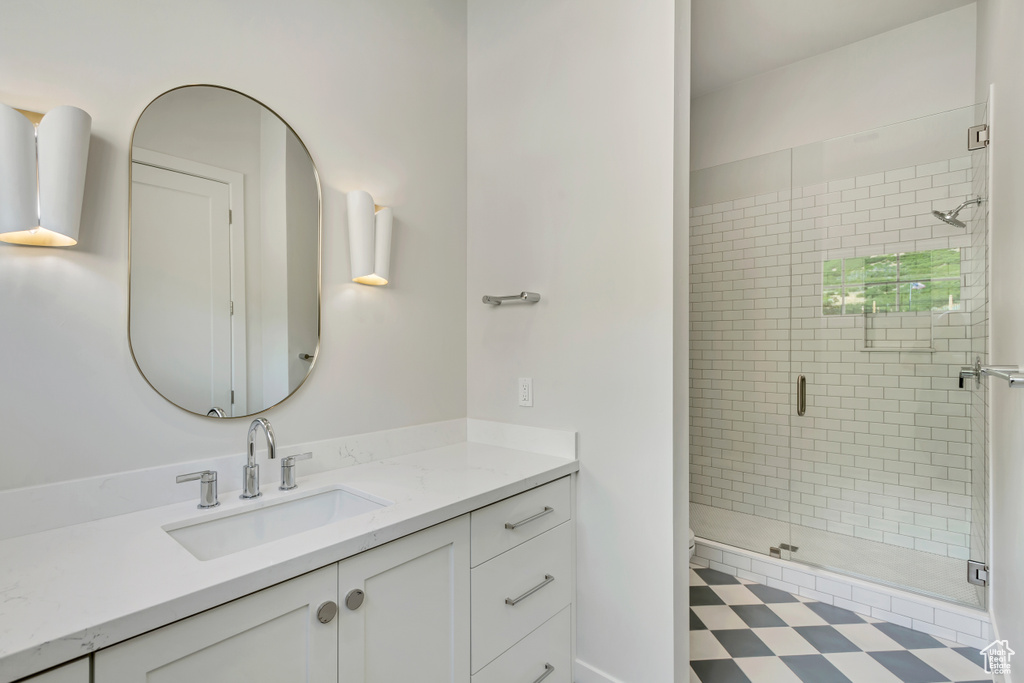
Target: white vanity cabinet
{"type": "Point", "coordinates": [407, 622]}
{"type": "Point", "coordinates": [411, 621]}
{"type": "Point", "coordinates": [446, 581]}
{"type": "Point", "coordinates": [523, 582]}
{"type": "Point", "coordinates": [482, 598]}
{"type": "Point", "coordinates": [272, 635]}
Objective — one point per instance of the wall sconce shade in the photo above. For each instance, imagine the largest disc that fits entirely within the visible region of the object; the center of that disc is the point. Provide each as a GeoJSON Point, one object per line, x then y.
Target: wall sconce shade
{"type": "Point", "coordinates": [369, 239]}
{"type": "Point", "coordinates": [42, 176]}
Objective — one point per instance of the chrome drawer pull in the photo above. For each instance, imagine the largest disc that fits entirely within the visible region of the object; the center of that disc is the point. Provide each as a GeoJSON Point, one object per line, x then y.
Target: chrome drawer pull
{"type": "Point", "coordinates": [513, 525]}
{"type": "Point", "coordinates": [548, 670]}
{"type": "Point", "coordinates": [547, 579]}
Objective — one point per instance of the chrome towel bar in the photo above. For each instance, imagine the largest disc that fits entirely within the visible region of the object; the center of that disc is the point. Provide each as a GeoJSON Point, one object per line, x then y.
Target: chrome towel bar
{"type": "Point", "coordinates": [1011, 373]}
{"type": "Point", "coordinates": [521, 298]}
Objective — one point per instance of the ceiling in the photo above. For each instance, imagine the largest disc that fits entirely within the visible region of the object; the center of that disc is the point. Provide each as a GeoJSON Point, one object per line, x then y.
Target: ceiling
{"type": "Point", "coordinates": [736, 39]}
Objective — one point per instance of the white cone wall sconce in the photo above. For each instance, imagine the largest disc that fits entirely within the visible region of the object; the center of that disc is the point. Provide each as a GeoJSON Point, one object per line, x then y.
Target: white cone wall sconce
{"type": "Point", "coordinates": [369, 239]}
{"type": "Point", "coordinates": [42, 175]}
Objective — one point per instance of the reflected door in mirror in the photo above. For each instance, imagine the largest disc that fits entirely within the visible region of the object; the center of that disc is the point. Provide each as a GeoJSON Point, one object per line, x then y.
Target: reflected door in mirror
{"type": "Point", "coordinates": [181, 322]}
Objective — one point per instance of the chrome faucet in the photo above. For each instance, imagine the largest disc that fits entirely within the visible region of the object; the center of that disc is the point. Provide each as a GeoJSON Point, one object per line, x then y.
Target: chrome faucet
{"type": "Point", "coordinates": [251, 471]}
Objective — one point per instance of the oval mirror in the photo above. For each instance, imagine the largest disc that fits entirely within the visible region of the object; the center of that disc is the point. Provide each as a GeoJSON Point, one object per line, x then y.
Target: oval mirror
{"type": "Point", "coordinates": [224, 257]}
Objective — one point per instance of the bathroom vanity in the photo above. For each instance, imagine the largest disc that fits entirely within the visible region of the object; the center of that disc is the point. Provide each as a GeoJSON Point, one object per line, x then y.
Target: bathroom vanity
{"type": "Point", "coordinates": [462, 569]}
{"type": "Point", "coordinates": [451, 561]}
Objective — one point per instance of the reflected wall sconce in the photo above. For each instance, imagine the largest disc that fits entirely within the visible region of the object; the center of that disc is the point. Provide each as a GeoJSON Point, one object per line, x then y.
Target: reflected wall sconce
{"type": "Point", "coordinates": [369, 239]}
{"type": "Point", "coordinates": [42, 175]}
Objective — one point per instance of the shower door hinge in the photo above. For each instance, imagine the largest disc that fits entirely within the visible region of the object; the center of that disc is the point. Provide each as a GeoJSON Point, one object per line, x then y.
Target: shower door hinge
{"type": "Point", "coordinates": [232, 397]}
{"type": "Point", "coordinates": [977, 137]}
{"type": "Point", "coordinates": [231, 307]}
{"type": "Point", "coordinates": [977, 573]}
{"type": "Point", "coordinates": [776, 551]}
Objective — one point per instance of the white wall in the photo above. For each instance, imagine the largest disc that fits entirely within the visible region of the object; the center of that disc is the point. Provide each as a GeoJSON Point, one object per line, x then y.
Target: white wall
{"type": "Point", "coordinates": [681, 340]}
{"type": "Point", "coordinates": [1000, 54]}
{"type": "Point", "coordinates": [570, 194]}
{"type": "Point", "coordinates": [916, 70]}
{"type": "Point", "coordinates": [377, 91]}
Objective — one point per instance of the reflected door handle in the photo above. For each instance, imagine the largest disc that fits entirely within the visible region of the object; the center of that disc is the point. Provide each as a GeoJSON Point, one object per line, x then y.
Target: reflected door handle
{"type": "Point", "coordinates": [548, 670]}
{"type": "Point", "coordinates": [801, 395]}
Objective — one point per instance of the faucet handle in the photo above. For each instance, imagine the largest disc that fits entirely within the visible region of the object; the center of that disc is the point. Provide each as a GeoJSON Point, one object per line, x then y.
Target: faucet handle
{"type": "Point", "coordinates": [288, 470]}
{"type": "Point", "coordinates": [206, 476]}
{"type": "Point", "coordinates": [292, 459]}
{"type": "Point", "coordinates": [207, 487]}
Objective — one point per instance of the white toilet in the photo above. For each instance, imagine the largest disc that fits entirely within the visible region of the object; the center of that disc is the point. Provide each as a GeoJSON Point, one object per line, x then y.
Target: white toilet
{"type": "Point", "coordinates": [692, 543]}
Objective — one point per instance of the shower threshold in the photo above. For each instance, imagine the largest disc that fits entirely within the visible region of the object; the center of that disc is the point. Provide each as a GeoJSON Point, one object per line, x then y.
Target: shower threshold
{"type": "Point", "coordinates": [933, 575]}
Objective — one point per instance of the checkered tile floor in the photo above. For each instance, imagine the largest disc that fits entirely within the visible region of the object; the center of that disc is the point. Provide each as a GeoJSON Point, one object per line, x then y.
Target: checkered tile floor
{"type": "Point", "coordinates": [743, 632]}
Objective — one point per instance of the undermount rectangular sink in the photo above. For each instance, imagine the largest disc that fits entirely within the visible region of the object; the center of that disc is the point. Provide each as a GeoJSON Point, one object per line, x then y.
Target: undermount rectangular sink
{"type": "Point", "coordinates": [208, 539]}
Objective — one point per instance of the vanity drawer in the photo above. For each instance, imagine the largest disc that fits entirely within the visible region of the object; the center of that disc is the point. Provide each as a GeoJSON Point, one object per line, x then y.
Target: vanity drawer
{"type": "Point", "coordinates": [530, 658]}
{"type": "Point", "coordinates": [527, 513]}
{"type": "Point", "coordinates": [536, 576]}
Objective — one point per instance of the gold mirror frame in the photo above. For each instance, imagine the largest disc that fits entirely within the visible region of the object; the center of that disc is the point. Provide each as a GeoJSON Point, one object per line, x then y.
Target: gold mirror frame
{"type": "Point", "coordinates": [319, 253]}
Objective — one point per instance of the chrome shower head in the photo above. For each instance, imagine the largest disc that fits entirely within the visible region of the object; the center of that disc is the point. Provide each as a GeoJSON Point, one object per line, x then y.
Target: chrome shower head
{"type": "Point", "coordinates": [950, 216]}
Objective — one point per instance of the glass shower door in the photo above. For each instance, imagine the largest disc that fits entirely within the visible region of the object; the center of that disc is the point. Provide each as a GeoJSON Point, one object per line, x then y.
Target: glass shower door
{"type": "Point", "coordinates": [740, 352]}
{"type": "Point", "coordinates": [889, 301]}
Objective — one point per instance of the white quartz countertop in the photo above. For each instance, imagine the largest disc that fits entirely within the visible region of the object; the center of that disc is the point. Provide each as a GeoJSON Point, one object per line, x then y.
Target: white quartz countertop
{"type": "Point", "coordinates": [70, 591]}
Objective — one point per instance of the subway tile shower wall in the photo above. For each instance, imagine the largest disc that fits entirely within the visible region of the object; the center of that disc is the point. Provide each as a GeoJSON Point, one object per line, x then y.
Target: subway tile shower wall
{"type": "Point", "coordinates": [890, 449]}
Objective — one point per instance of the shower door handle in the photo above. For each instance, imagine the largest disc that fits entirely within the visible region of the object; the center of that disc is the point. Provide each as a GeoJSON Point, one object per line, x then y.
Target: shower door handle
{"type": "Point", "coordinates": [801, 395]}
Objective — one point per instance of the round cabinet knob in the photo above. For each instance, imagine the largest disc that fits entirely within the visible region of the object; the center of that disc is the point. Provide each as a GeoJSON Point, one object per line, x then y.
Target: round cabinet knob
{"type": "Point", "coordinates": [354, 599]}
{"type": "Point", "coordinates": [327, 611]}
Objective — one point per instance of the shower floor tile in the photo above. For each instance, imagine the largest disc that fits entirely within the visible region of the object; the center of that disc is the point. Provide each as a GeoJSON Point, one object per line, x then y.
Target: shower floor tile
{"type": "Point", "coordinates": [742, 633]}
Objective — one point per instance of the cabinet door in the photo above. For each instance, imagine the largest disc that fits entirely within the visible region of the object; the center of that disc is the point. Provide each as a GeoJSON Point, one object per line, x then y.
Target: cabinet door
{"type": "Point", "coordinates": [413, 623]}
{"type": "Point", "coordinates": [272, 635]}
